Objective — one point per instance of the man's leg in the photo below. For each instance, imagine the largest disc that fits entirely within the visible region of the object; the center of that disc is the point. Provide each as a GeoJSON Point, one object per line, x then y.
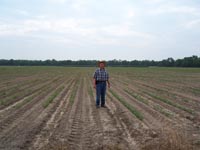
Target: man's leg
{"type": "Point", "coordinates": [98, 94]}
{"type": "Point", "coordinates": [103, 93]}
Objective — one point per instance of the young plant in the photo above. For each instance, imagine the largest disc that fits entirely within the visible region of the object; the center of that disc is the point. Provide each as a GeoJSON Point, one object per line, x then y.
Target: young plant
{"type": "Point", "coordinates": [52, 97]}
{"type": "Point", "coordinates": [132, 109]}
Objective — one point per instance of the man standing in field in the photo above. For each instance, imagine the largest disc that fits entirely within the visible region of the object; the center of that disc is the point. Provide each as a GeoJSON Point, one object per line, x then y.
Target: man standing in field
{"type": "Point", "coordinates": [100, 78]}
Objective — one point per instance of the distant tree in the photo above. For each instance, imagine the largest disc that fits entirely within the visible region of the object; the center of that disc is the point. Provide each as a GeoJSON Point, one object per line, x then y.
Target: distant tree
{"type": "Point", "coordinates": [193, 61]}
{"type": "Point", "coordinates": [169, 62]}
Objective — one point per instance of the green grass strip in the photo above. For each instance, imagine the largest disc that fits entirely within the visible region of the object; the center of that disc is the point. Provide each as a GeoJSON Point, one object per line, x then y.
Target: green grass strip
{"type": "Point", "coordinates": [73, 94]}
{"type": "Point", "coordinates": [160, 109]}
{"type": "Point", "coordinates": [170, 103]}
{"type": "Point", "coordinates": [52, 97]}
{"type": "Point", "coordinates": [133, 110]}
{"type": "Point", "coordinates": [136, 96]}
{"type": "Point", "coordinates": [8, 100]}
{"type": "Point", "coordinates": [196, 91]}
{"type": "Point", "coordinates": [24, 102]}
{"type": "Point", "coordinates": [74, 91]}
{"type": "Point", "coordinates": [91, 91]}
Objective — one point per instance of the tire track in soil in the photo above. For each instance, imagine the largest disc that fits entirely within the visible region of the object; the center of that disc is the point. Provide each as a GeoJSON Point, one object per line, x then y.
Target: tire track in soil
{"type": "Point", "coordinates": [57, 138]}
{"type": "Point", "coordinates": [22, 131]}
{"type": "Point", "coordinates": [75, 136]}
{"type": "Point", "coordinates": [115, 132]}
{"type": "Point", "coordinates": [68, 127]}
{"type": "Point", "coordinates": [84, 127]}
{"type": "Point", "coordinates": [43, 138]}
{"type": "Point", "coordinates": [93, 125]}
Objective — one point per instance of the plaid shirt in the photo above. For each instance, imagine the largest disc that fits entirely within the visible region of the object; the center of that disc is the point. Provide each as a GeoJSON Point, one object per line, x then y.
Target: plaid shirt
{"type": "Point", "coordinates": [101, 75]}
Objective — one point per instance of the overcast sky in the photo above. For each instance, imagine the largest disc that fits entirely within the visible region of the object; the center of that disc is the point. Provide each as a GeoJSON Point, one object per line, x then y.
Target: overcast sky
{"type": "Point", "coordinates": [99, 29]}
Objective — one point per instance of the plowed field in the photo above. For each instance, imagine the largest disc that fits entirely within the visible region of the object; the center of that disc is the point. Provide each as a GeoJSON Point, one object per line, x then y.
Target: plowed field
{"type": "Point", "coordinates": [43, 108]}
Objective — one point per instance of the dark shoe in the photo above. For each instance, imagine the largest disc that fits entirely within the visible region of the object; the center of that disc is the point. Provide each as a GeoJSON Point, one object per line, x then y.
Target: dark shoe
{"type": "Point", "coordinates": [97, 106]}
{"type": "Point", "coordinates": [104, 106]}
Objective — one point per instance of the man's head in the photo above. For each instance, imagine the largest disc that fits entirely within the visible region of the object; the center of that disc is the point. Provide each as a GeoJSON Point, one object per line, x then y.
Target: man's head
{"type": "Point", "coordinates": [101, 64]}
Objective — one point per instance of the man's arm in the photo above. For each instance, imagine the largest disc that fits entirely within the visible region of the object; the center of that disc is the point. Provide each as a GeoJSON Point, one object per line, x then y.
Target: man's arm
{"type": "Point", "coordinates": [108, 83]}
{"type": "Point", "coordinates": [94, 80]}
{"type": "Point", "coordinates": [94, 83]}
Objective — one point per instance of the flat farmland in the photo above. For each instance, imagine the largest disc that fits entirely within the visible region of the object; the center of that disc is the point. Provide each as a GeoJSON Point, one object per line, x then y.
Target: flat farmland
{"type": "Point", "coordinates": [43, 108]}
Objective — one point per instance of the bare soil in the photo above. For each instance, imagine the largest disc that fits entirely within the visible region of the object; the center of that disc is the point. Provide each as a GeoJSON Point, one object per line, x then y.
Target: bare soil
{"type": "Point", "coordinates": [74, 123]}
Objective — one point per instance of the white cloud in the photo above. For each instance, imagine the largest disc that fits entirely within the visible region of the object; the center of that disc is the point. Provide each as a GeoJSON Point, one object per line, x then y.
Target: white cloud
{"type": "Point", "coordinates": [22, 12]}
{"type": "Point", "coordinates": [174, 9]}
{"type": "Point", "coordinates": [76, 27]}
{"type": "Point", "coordinates": [57, 1]}
{"type": "Point", "coordinates": [125, 30]}
{"type": "Point", "coordinates": [9, 30]}
{"type": "Point", "coordinates": [50, 25]}
{"type": "Point", "coordinates": [154, 1]}
{"type": "Point", "coordinates": [113, 24]}
{"type": "Point", "coordinates": [131, 13]}
{"type": "Point", "coordinates": [193, 24]}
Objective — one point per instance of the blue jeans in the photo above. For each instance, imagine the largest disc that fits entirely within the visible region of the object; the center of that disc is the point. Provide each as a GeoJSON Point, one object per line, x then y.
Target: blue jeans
{"type": "Point", "coordinates": [100, 93]}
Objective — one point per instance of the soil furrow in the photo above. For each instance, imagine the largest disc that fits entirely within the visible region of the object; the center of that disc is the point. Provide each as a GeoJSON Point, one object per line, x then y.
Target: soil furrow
{"type": "Point", "coordinates": [42, 139]}
{"type": "Point", "coordinates": [15, 113]}
{"type": "Point", "coordinates": [24, 129]}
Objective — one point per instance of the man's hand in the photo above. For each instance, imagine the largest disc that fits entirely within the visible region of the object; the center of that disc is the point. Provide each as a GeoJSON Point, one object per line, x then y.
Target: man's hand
{"type": "Point", "coordinates": [94, 83]}
{"type": "Point", "coordinates": [108, 85]}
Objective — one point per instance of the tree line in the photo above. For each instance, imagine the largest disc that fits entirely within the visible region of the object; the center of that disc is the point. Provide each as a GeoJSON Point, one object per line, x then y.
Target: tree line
{"type": "Point", "coordinates": [193, 61]}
